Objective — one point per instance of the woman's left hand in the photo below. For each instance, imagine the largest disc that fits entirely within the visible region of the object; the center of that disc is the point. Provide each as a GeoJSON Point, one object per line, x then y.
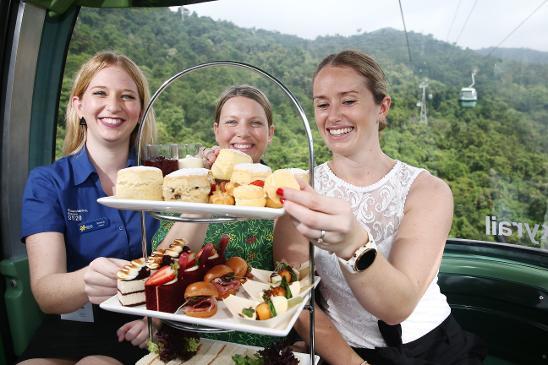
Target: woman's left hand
{"type": "Point", "coordinates": [135, 332]}
{"type": "Point", "coordinates": [327, 222]}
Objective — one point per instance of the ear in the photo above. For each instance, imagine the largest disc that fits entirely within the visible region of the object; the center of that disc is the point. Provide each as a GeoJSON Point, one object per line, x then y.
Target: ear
{"type": "Point", "coordinates": [385, 107]}
{"type": "Point", "coordinates": [77, 105]}
{"type": "Point", "coordinates": [215, 130]}
{"type": "Point", "coordinates": [271, 130]}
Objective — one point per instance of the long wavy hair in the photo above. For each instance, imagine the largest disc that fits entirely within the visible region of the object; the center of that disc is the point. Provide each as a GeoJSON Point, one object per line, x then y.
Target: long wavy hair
{"type": "Point", "coordinates": [76, 134]}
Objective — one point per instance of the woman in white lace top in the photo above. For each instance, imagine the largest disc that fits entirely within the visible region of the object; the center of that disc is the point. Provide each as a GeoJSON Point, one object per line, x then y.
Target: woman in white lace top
{"type": "Point", "coordinates": [379, 226]}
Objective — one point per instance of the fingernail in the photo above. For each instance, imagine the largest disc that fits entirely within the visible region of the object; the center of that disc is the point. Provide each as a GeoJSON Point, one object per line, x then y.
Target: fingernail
{"type": "Point", "coordinates": [282, 200]}
{"type": "Point", "coordinates": [280, 192]}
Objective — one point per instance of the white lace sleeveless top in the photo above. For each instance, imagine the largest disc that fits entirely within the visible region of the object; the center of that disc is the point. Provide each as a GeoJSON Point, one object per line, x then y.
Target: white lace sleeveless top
{"type": "Point", "coordinates": [379, 208]}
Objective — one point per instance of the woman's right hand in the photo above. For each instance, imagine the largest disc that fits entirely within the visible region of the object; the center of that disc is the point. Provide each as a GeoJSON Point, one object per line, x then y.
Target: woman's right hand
{"type": "Point", "coordinates": [100, 278]}
{"type": "Point", "coordinates": [209, 155]}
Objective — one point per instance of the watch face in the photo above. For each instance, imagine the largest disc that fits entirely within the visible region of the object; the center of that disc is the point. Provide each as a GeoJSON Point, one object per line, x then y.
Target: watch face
{"type": "Point", "coordinates": [366, 259]}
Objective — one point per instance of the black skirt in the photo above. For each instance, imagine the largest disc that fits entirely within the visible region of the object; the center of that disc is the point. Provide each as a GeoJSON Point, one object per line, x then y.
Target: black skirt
{"type": "Point", "coordinates": [447, 344]}
{"type": "Point", "coordinates": [72, 340]}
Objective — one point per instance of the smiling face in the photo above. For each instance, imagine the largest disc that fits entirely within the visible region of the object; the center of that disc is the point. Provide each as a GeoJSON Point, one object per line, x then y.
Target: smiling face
{"type": "Point", "coordinates": [243, 126]}
{"type": "Point", "coordinates": [110, 105]}
{"type": "Point", "coordinates": [345, 110]}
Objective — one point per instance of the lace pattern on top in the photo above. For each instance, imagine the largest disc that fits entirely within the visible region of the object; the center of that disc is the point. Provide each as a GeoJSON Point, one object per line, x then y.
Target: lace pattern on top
{"type": "Point", "coordinates": [379, 208]}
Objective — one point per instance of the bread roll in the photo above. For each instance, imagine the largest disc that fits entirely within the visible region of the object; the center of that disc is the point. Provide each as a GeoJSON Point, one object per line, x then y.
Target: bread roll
{"type": "Point", "coordinates": [279, 179]}
{"type": "Point", "coordinates": [244, 173]}
{"type": "Point", "coordinates": [139, 182]}
{"type": "Point", "coordinates": [249, 195]}
{"type": "Point", "coordinates": [224, 164]}
{"type": "Point", "coordinates": [189, 185]}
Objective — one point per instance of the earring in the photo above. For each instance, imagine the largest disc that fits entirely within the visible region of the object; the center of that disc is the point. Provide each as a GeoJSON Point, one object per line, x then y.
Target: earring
{"type": "Point", "coordinates": [83, 121]}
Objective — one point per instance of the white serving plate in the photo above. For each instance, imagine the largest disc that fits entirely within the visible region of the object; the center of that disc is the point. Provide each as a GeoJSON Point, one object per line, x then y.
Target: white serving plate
{"type": "Point", "coordinates": [255, 289]}
{"type": "Point", "coordinates": [213, 352]}
{"type": "Point", "coordinates": [200, 208]}
{"type": "Point", "coordinates": [223, 319]}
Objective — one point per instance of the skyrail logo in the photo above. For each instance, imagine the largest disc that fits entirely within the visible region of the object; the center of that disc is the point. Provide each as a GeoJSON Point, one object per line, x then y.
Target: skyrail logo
{"type": "Point", "coordinates": [507, 229]}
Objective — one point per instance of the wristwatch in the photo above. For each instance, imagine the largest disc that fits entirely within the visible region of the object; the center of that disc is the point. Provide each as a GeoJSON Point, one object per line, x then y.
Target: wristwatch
{"type": "Point", "coordinates": [362, 258]}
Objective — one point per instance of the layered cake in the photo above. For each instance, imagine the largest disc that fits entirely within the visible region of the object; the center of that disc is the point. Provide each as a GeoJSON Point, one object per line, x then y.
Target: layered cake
{"type": "Point", "coordinates": [139, 182]}
{"type": "Point", "coordinates": [163, 290]}
{"type": "Point", "coordinates": [131, 283]}
{"type": "Point", "coordinates": [189, 185]}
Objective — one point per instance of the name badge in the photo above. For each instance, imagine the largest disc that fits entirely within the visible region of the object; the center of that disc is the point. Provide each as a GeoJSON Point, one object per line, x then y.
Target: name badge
{"type": "Point", "coordinates": [84, 314]}
{"type": "Point", "coordinates": [94, 225]}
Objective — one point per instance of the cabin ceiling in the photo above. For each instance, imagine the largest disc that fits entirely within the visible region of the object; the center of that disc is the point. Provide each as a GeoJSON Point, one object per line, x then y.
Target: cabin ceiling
{"type": "Point", "coordinates": [58, 7]}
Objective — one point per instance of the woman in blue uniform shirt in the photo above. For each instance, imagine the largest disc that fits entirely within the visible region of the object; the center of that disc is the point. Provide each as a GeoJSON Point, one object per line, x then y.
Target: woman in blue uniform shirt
{"type": "Point", "coordinates": [75, 246]}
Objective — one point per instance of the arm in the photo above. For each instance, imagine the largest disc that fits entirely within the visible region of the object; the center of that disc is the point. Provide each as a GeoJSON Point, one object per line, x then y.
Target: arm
{"type": "Point", "coordinates": [416, 252]}
{"type": "Point", "coordinates": [58, 291]}
{"type": "Point", "coordinates": [292, 247]}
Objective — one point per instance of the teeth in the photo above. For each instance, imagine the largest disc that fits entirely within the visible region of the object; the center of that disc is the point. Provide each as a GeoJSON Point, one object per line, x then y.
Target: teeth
{"type": "Point", "coordinates": [340, 131]}
{"type": "Point", "coordinates": [112, 121]}
{"type": "Point", "coordinates": [242, 146]}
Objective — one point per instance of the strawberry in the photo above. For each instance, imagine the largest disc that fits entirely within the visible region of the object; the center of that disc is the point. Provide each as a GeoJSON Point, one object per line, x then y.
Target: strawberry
{"type": "Point", "coordinates": [162, 276]}
{"type": "Point", "coordinates": [257, 183]}
{"type": "Point", "coordinates": [212, 188]}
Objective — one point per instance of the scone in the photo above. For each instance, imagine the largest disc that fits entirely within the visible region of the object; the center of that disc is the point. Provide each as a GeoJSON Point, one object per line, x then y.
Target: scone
{"type": "Point", "coordinates": [189, 185]}
{"type": "Point", "coordinates": [220, 197]}
{"type": "Point", "coordinates": [299, 174]}
{"type": "Point", "coordinates": [279, 179]}
{"type": "Point", "coordinates": [224, 164]}
{"type": "Point", "coordinates": [244, 173]}
{"type": "Point", "coordinates": [139, 182]}
{"type": "Point", "coordinates": [250, 195]}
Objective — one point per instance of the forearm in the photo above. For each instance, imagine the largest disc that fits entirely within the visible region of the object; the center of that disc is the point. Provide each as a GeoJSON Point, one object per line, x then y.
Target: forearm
{"type": "Point", "coordinates": [193, 233]}
{"type": "Point", "coordinates": [60, 292]}
{"type": "Point", "coordinates": [329, 343]}
{"type": "Point", "coordinates": [391, 302]}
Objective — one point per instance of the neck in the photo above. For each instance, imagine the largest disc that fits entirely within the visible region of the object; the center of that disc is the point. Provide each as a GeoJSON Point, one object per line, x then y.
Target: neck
{"type": "Point", "coordinates": [107, 160]}
{"type": "Point", "coordinates": [363, 168]}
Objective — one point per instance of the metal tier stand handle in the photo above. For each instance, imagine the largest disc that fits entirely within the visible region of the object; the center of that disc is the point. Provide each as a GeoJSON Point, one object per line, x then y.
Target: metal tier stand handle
{"type": "Point", "coordinates": [311, 165]}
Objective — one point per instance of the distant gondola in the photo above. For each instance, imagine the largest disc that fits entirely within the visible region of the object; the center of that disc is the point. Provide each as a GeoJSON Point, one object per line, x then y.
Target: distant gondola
{"type": "Point", "coordinates": [468, 97]}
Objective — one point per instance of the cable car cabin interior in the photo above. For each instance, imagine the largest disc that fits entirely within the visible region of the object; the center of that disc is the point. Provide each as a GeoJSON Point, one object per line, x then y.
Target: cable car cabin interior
{"type": "Point", "coordinates": [494, 268]}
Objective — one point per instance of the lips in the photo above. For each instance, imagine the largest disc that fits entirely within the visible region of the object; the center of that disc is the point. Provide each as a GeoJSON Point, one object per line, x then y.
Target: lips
{"type": "Point", "coordinates": [242, 146]}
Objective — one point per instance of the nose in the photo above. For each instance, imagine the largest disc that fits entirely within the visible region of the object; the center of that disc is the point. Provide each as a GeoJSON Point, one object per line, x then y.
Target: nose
{"type": "Point", "coordinates": [334, 113]}
{"type": "Point", "coordinates": [242, 130]}
{"type": "Point", "coordinates": [113, 104]}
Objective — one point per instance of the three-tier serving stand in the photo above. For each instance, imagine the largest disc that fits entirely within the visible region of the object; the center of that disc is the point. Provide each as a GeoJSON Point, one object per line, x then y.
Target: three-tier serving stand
{"type": "Point", "coordinates": [225, 218]}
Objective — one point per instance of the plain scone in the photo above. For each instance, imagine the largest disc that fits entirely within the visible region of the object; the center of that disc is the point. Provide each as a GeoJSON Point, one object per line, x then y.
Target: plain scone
{"type": "Point", "coordinates": [191, 185]}
{"type": "Point", "coordinates": [224, 164]}
{"type": "Point", "coordinates": [249, 195]}
{"type": "Point", "coordinates": [282, 178]}
{"type": "Point", "coordinates": [139, 182]}
{"type": "Point", "coordinates": [245, 173]}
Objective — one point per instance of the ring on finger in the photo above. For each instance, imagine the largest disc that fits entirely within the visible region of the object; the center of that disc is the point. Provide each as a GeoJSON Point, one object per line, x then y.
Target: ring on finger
{"type": "Point", "coordinates": [322, 236]}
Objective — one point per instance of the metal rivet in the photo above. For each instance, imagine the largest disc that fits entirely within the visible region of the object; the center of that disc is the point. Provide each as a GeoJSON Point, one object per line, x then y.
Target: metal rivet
{"type": "Point", "coordinates": [13, 283]}
{"type": "Point", "coordinates": [541, 297]}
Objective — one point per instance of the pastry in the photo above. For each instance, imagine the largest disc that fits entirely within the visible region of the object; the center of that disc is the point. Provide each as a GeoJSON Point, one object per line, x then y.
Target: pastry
{"type": "Point", "coordinates": [189, 185]}
{"type": "Point", "coordinates": [224, 164]}
{"type": "Point", "coordinates": [281, 178]}
{"type": "Point", "coordinates": [250, 195]}
{"type": "Point", "coordinates": [245, 173]}
{"type": "Point", "coordinates": [131, 283]}
{"type": "Point", "coordinates": [139, 182]}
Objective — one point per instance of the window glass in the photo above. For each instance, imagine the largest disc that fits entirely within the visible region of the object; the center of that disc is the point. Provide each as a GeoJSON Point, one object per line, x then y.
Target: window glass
{"type": "Point", "coordinates": [470, 104]}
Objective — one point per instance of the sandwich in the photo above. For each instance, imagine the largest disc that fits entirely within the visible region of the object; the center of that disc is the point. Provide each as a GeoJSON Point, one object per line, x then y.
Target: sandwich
{"type": "Point", "coordinates": [200, 300]}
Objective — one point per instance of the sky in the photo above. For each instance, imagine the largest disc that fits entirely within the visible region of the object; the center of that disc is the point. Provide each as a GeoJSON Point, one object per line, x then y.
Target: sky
{"type": "Point", "coordinates": [468, 23]}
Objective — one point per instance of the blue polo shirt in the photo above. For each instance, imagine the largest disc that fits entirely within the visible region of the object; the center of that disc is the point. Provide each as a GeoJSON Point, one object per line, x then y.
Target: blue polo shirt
{"type": "Point", "coordinates": [62, 197]}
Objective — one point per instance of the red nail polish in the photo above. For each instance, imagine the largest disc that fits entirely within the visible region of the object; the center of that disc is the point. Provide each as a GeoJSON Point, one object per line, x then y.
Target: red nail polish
{"type": "Point", "coordinates": [280, 192]}
{"type": "Point", "coordinates": [282, 200]}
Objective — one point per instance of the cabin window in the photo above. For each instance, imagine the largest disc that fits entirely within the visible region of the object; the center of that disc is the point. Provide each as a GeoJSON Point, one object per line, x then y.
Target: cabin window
{"type": "Point", "coordinates": [493, 154]}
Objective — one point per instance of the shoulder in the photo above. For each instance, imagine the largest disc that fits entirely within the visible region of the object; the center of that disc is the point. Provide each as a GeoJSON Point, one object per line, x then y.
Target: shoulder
{"type": "Point", "coordinates": [428, 190]}
{"type": "Point", "coordinates": [58, 172]}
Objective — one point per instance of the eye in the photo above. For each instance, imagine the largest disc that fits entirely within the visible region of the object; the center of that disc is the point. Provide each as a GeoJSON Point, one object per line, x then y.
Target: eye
{"type": "Point", "coordinates": [230, 122]}
{"type": "Point", "coordinates": [322, 105]}
{"type": "Point", "coordinates": [257, 123]}
{"type": "Point", "coordinates": [128, 97]}
{"type": "Point", "coordinates": [99, 93]}
{"type": "Point", "coordinates": [349, 101]}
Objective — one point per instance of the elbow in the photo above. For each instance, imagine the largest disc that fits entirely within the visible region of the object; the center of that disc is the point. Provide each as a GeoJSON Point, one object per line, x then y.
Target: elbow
{"type": "Point", "coordinates": [397, 315]}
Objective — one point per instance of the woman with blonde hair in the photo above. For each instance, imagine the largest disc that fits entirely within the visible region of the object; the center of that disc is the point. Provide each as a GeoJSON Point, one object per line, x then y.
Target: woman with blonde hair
{"type": "Point", "coordinates": [75, 246]}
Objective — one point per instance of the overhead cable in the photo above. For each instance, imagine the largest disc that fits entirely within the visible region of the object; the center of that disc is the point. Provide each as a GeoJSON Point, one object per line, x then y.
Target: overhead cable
{"type": "Point", "coordinates": [466, 21]}
{"type": "Point", "coordinates": [405, 30]}
{"type": "Point", "coordinates": [516, 28]}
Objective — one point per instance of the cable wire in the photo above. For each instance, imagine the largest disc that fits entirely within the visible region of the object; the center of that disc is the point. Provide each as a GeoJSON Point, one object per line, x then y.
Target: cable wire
{"type": "Point", "coordinates": [466, 21]}
{"type": "Point", "coordinates": [516, 28]}
{"type": "Point", "coordinates": [453, 21]}
{"type": "Point", "coordinates": [405, 30]}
